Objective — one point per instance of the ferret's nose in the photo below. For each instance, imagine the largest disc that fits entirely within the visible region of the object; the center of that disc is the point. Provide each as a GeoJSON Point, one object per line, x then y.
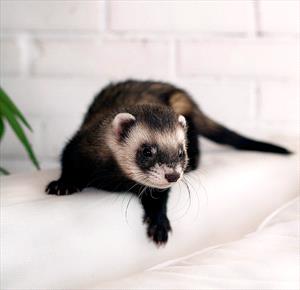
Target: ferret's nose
{"type": "Point", "coordinates": [172, 177]}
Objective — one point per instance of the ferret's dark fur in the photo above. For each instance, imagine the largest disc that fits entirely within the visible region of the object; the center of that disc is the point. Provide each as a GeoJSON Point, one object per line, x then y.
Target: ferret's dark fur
{"type": "Point", "coordinates": [89, 161]}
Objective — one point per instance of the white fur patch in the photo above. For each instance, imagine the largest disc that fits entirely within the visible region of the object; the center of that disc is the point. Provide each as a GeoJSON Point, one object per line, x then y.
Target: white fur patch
{"type": "Point", "coordinates": [170, 139]}
{"type": "Point", "coordinates": [159, 171]}
{"type": "Point", "coordinates": [182, 121]}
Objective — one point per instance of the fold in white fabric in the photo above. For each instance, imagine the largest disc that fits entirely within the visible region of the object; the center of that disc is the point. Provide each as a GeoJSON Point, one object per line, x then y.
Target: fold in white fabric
{"type": "Point", "coordinates": [83, 240]}
{"type": "Point", "coordinates": [265, 259]}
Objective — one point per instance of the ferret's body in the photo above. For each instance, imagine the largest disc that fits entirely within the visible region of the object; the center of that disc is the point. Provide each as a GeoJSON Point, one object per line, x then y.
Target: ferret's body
{"type": "Point", "coordinates": [140, 137]}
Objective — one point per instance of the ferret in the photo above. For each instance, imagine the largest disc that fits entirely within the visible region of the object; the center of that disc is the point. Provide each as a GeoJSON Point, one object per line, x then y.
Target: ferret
{"type": "Point", "coordinates": [141, 137]}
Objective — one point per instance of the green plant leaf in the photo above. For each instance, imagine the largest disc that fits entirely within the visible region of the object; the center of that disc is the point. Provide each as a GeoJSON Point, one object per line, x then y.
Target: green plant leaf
{"type": "Point", "coordinates": [2, 128]}
{"type": "Point", "coordinates": [5, 100]}
{"type": "Point", "coordinates": [3, 171]}
{"type": "Point", "coordinates": [20, 133]}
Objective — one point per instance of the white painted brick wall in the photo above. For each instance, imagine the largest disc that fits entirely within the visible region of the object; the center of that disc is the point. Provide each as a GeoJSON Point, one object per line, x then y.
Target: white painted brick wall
{"type": "Point", "coordinates": [280, 101]}
{"type": "Point", "coordinates": [279, 16]}
{"type": "Point", "coordinates": [110, 58]}
{"type": "Point", "coordinates": [10, 56]}
{"type": "Point", "coordinates": [201, 16]}
{"type": "Point", "coordinates": [58, 135]}
{"type": "Point", "coordinates": [56, 15]}
{"type": "Point", "coordinates": [51, 96]}
{"type": "Point", "coordinates": [12, 148]}
{"type": "Point", "coordinates": [245, 58]}
{"type": "Point", "coordinates": [239, 59]}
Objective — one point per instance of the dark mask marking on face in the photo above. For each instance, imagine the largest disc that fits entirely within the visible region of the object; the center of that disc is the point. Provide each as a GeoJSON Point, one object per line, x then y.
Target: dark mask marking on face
{"type": "Point", "coordinates": [150, 154]}
{"type": "Point", "coordinates": [146, 156]}
{"type": "Point", "coordinates": [172, 158]}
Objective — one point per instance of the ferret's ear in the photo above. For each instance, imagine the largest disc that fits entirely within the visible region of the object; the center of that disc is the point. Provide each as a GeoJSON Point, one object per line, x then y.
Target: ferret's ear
{"type": "Point", "coordinates": [121, 124]}
{"type": "Point", "coordinates": [182, 121]}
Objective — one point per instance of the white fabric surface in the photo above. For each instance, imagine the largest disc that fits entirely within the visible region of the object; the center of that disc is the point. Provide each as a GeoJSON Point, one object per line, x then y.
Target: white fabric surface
{"type": "Point", "coordinates": [265, 259]}
{"type": "Point", "coordinates": [79, 241]}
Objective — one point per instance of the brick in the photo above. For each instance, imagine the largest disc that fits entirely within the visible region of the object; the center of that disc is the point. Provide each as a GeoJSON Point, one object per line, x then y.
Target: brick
{"type": "Point", "coordinates": [246, 58]}
{"type": "Point", "coordinates": [52, 15]}
{"type": "Point", "coordinates": [280, 101]}
{"type": "Point", "coordinates": [223, 100]}
{"type": "Point", "coordinates": [10, 57]}
{"type": "Point", "coordinates": [279, 16]}
{"type": "Point", "coordinates": [201, 16]}
{"type": "Point", "coordinates": [52, 97]}
{"type": "Point", "coordinates": [114, 59]}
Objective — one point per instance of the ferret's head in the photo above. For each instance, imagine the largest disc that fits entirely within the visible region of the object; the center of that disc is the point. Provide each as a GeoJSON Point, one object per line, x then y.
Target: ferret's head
{"type": "Point", "coordinates": [149, 144]}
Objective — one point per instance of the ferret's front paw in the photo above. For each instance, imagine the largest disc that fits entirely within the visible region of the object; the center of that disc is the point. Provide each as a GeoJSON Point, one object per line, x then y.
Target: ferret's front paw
{"type": "Point", "coordinates": [59, 187]}
{"type": "Point", "coordinates": [158, 230]}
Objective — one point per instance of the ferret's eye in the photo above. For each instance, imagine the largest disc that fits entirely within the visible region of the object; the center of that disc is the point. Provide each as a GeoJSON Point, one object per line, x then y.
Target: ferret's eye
{"type": "Point", "coordinates": [147, 152]}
